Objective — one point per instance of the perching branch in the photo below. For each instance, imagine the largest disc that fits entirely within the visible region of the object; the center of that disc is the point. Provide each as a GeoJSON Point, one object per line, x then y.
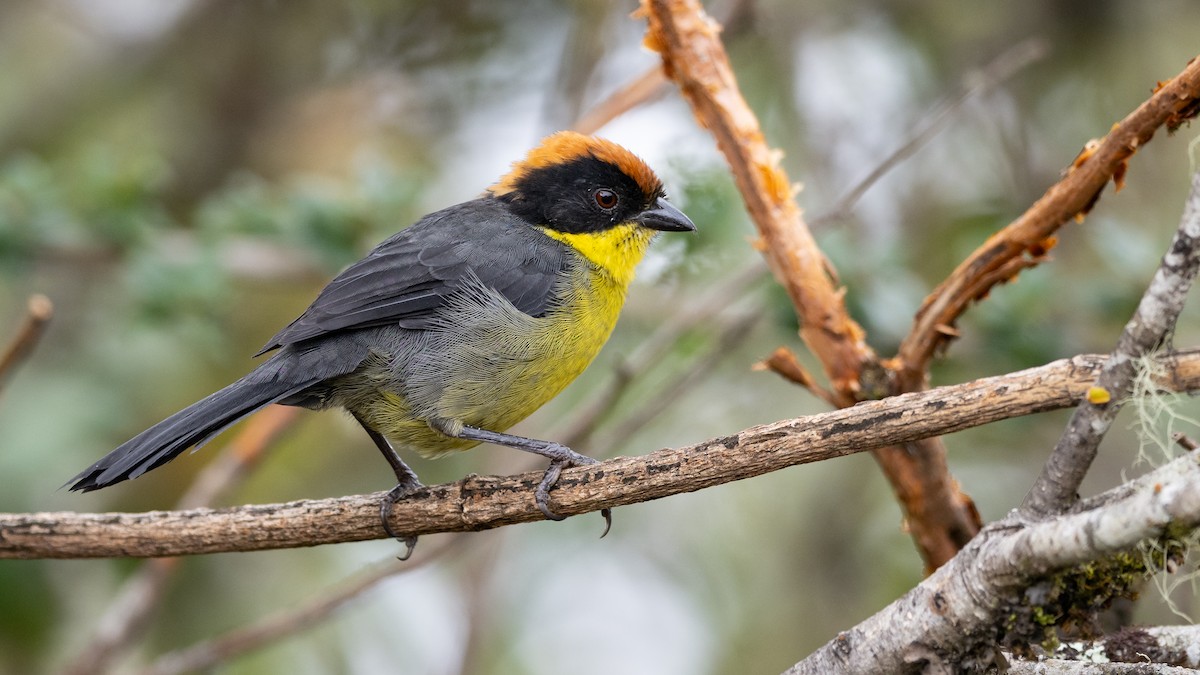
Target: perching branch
{"type": "Point", "coordinates": [1150, 328]}
{"type": "Point", "coordinates": [484, 502]}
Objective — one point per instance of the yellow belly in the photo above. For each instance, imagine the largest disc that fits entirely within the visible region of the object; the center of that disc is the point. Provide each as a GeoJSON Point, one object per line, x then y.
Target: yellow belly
{"type": "Point", "coordinates": [497, 366]}
{"type": "Point", "coordinates": [501, 375]}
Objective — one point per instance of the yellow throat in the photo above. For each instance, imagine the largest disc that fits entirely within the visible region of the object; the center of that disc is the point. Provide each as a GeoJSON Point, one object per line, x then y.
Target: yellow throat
{"type": "Point", "coordinates": [615, 251]}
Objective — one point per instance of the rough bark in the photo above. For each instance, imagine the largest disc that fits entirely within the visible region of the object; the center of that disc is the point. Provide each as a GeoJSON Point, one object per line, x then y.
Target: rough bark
{"type": "Point", "coordinates": [483, 502]}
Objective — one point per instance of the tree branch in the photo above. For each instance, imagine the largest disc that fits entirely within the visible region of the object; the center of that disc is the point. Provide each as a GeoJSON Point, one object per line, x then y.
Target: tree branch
{"type": "Point", "coordinates": [1070, 198]}
{"type": "Point", "coordinates": [484, 502]}
{"type": "Point", "coordinates": [38, 311]}
{"type": "Point", "coordinates": [1151, 326]}
{"type": "Point", "coordinates": [941, 517]}
{"type": "Point", "coordinates": [1063, 667]}
{"type": "Point", "coordinates": [1162, 647]}
{"type": "Point", "coordinates": [693, 56]}
{"type": "Point", "coordinates": [963, 605]}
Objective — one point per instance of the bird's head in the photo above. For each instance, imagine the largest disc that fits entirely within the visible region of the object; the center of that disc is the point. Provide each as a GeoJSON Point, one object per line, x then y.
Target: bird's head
{"type": "Point", "coordinates": [576, 184]}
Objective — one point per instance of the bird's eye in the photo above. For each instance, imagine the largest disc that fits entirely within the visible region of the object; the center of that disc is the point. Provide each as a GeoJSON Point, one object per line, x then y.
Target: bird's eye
{"type": "Point", "coordinates": [605, 199]}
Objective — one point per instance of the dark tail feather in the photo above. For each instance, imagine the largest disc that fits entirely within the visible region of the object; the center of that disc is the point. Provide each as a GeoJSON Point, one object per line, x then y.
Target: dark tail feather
{"type": "Point", "coordinates": [189, 427]}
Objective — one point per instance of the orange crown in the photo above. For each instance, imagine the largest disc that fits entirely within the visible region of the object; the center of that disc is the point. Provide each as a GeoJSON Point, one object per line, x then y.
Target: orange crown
{"type": "Point", "coordinates": [566, 146]}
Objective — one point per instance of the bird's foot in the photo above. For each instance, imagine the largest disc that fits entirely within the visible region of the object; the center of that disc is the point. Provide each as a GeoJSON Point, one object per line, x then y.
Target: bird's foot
{"type": "Point", "coordinates": [394, 495]}
{"type": "Point", "coordinates": [562, 457]}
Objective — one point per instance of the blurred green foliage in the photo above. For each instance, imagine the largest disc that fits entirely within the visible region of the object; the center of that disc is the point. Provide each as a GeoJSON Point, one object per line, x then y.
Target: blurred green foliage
{"type": "Point", "coordinates": [105, 200]}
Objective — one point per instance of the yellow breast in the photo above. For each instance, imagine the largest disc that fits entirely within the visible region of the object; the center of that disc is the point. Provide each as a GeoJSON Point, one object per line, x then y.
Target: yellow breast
{"type": "Point", "coordinates": [496, 382]}
{"type": "Point", "coordinates": [566, 340]}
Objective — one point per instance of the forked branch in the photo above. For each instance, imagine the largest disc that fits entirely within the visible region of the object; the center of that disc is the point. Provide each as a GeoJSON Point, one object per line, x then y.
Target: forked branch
{"type": "Point", "coordinates": [1024, 241]}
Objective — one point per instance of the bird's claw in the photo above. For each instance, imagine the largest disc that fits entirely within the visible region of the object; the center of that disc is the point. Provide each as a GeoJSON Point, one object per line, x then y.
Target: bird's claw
{"type": "Point", "coordinates": [394, 495]}
{"type": "Point", "coordinates": [542, 494]}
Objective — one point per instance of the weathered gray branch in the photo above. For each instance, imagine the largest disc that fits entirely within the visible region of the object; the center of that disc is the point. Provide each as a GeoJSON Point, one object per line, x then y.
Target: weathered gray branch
{"type": "Point", "coordinates": [483, 502]}
{"type": "Point", "coordinates": [1151, 326]}
{"type": "Point", "coordinates": [1140, 650]}
{"type": "Point", "coordinates": [960, 604]}
{"type": "Point", "coordinates": [1061, 667]}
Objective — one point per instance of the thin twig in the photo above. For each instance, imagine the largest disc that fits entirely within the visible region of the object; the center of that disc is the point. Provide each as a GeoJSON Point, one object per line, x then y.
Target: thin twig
{"type": "Point", "coordinates": [723, 295]}
{"type": "Point", "coordinates": [784, 363]}
{"type": "Point", "coordinates": [243, 454]}
{"type": "Point", "coordinates": [976, 83]}
{"type": "Point", "coordinates": [580, 55]}
{"type": "Point", "coordinates": [223, 649]}
{"type": "Point", "coordinates": [646, 87]}
{"type": "Point", "coordinates": [484, 502]}
{"type": "Point", "coordinates": [126, 618]}
{"type": "Point", "coordinates": [1184, 441]}
{"type": "Point", "coordinates": [1152, 325]}
{"type": "Point", "coordinates": [38, 312]}
{"type": "Point", "coordinates": [478, 580]}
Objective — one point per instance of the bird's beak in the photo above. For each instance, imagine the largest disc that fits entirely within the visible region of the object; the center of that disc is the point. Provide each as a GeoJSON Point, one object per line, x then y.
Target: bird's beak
{"type": "Point", "coordinates": [665, 217]}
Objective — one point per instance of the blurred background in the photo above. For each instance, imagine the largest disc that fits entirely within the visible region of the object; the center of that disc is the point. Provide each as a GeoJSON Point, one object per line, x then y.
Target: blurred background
{"type": "Point", "coordinates": [180, 177]}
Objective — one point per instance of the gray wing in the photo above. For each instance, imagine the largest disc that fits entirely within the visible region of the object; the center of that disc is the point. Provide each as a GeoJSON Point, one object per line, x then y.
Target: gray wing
{"type": "Point", "coordinates": [410, 276]}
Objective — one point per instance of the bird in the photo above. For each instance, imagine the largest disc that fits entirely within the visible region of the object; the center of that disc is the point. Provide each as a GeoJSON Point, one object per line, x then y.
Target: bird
{"type": "Point", "coordinates": [457, 327]}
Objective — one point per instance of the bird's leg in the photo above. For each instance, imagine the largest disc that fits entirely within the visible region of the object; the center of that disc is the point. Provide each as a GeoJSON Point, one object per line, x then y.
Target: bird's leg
{"type": "Point", "coordinates": [560, 456]}
{"type": "Point", "coordinates": [406, 484]}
